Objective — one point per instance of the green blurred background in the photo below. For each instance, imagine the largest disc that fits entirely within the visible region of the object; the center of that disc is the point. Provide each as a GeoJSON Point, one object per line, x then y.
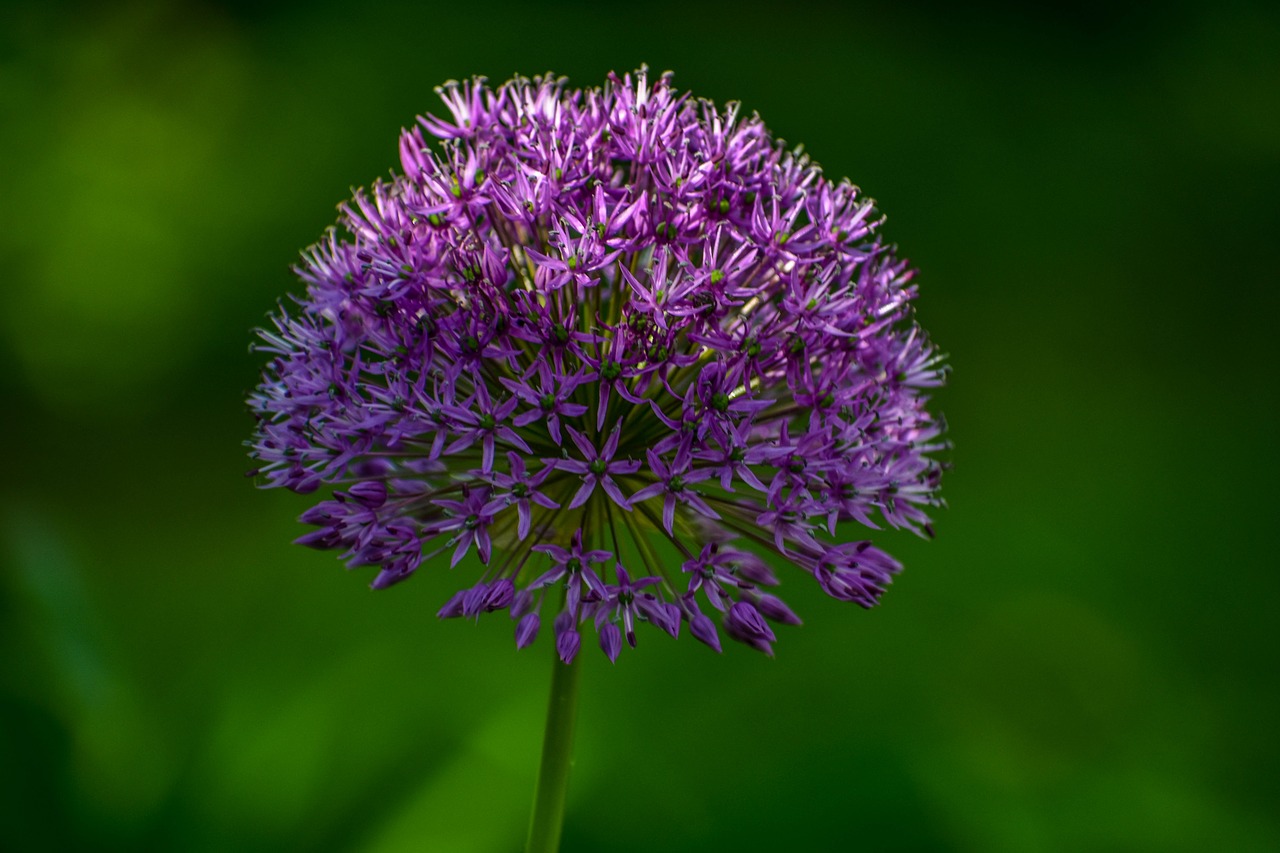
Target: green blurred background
{"type": "Point", "coordinates": [1085, 658]}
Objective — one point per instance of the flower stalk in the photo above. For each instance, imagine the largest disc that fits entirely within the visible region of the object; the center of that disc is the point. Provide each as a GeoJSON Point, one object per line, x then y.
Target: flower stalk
{"type": "Point", "coordinates": [552, 787]}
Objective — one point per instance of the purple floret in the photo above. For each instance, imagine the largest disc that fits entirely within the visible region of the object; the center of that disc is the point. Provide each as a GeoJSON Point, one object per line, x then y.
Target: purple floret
{"type": "Point", "coordinates": [585, 323]}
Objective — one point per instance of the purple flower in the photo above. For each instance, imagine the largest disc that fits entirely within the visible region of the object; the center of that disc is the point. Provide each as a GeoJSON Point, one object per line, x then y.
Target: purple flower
{"type": "Point", "coordinates": [625, 602]}
{"type": "Point", "coordinates": [674, 481]}
{"type": "Point", "coordinates": [597, 467]}
{"type": "Point", "coordinates": [469, 519]}
{"type": "Point", "coordinates": [572, 303]}
{"type": "Point", "coordinates": [745, 624]}
{"type": "Point", "coordinates": [568, 640]}
{"type": "Point", "coordinates": [548, 401]}
{"type": "Point", "coordinates": [522, 490]}
{"type": "Point", "coordinates": [573, 567]}
{"type": "Point", "coordinates": [483, 424]}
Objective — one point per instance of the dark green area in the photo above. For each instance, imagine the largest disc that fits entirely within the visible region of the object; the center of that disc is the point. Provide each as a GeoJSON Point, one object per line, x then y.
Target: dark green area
{"type": "Point", "coordinates": [1085, 658]}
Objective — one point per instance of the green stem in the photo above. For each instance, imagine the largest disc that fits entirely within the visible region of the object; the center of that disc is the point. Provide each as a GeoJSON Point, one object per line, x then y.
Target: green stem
{"type": "Point", "coordinates": [557, 757]}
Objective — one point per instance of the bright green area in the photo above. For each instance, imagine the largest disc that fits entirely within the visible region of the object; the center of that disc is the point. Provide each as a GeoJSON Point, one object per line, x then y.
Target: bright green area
{"type": "Point", "coordinates": [1085, 659]}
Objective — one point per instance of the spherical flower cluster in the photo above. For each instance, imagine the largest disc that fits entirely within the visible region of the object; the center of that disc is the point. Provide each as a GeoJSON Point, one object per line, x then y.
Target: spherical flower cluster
{"type": "Point", "coordinates": [583, 323]}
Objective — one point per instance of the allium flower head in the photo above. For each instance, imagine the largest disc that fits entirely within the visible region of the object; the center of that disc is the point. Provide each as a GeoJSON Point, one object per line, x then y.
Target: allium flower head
{"type": "Point", "coordinates": [582, 322]}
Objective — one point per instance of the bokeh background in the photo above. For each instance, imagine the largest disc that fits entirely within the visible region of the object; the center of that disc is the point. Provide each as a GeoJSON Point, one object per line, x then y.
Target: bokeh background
{"type": "Point", "coordinates": [1084, 659]}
